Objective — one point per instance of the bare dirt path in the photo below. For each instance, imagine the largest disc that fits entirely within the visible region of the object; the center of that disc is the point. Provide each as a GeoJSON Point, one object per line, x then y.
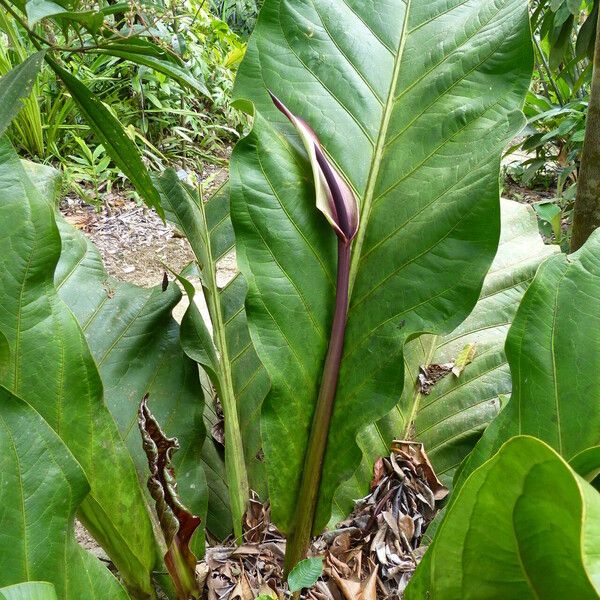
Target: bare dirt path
{"type": "Point", "coordinates": [132, 239]}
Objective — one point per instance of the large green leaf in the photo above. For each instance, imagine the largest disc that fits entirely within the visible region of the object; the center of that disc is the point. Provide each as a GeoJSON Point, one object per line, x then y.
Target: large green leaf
{"type": "Point", "coordinates": [135, 343]}
{"type": "Point", "coordinates": [523, 526]}
{"type": "Point", "coordinates": [15, 86]}
{"type": "Point", "coordinates": [451, 418]}
{"type": "Point", "coordinates": [413, 101]}
{"type": "Point", "coordinates": [111, 133]}
{"type": "Point", "coordinates": [553, 350]}
{"type": "Point", "coordinates": [52, 369]}
{"type": "Point", "coordinates": [237, 374]}
{"type": "Point", "coordinates": [140, 329]}
{"type": "Point", "coordinates": [41, 486]}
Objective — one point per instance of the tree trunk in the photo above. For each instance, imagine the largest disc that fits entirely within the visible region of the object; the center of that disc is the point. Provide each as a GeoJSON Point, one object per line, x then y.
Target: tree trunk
{"type": "Point", "coordinates": [586, 216]}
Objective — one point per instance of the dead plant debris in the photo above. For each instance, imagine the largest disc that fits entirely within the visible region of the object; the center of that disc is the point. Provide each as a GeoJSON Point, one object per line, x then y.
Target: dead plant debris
{"type": "Point", "coordinates": [132, 239]}
{"type": "Point", "coordinates": [429, 375]}
{"type": "Point", "coordinates": [254, 568]}
{"type": "Point", "coordinates": [370, 556]}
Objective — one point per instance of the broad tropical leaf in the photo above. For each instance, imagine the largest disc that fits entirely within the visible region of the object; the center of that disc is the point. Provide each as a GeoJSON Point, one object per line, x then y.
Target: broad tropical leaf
{"type": "Point", "coordinates": [141, 329]}
{"type": "Point", "coordinates": [450, 419]}
{"type": "Point", "coordinates": [15, 86]}
{"type": "Point", "coordinates": [413, 102]}
{"type": "Point", "coordinates": [496, 542]}
{"type": "Point", "coordinates": [51, 368]}
{"type": "Point", "coordinates": [237, 375]}
{"type": "Point", "coordinates": [135, 343]}
{"type": "Point", "coordinates": [553, 350]}
{"type": "Point", "coordinates": [42, 487]}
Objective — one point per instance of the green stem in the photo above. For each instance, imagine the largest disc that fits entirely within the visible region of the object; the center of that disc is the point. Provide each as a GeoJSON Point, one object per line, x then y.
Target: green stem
{"type": "Point", "coordinates": [586, 215]}
{"type": "Point", "coordinates": [235, 464]}
{"type": "Point", "coordinates": [546, 66]}
{"type": "Point", "coordinates": [299, 541]}
{"type": "Point", "coordinates": [182, 575]}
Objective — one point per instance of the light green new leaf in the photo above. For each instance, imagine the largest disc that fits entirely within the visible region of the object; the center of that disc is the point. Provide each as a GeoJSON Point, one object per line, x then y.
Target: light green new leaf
{"type": "Point", "coordinates": [135, 343]}
{"type": "Point", "coordinates": [42, 487]}
{"type": "Point", "coordinates": [15, 86]}
{"type": "Point", "coordinates": [34, 590]}
{"type": "Point", "coordinates": [40, 9]}
{"type": "Point", "coordinates": [111, 133]}
{"type": "Point", "coordinates": [451, 418]}
{"type": "Point", "coordinates": [237, 375]}
{"type": "Point", "coordinates": [52, 369]}
{"type": "Point", "coordinates": [413, 101]}
{"type": "Point", "coordinates": [196, 340]}
{"type": "Point", "coordinates": [524, 526]}
{"type": "Point", "coordinates": [553, 350]}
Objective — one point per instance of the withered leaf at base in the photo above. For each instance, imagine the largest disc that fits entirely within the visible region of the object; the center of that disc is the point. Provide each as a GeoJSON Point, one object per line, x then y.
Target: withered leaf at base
{"type": "Point", "coordinates": [177, 523]}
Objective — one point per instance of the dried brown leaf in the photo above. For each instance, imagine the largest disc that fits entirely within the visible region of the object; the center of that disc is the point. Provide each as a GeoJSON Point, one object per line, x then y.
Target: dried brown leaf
{"type": "Point", "coordinates": [420, 459]}
{"type": "Point", "coordinates": [177, 523]}
{"type": "Point", "coordinates": [378, 472]}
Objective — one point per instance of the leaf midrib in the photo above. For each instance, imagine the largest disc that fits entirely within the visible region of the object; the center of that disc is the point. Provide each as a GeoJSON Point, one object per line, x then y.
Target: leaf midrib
{"type": "Point", "coordinates": [378, 153]}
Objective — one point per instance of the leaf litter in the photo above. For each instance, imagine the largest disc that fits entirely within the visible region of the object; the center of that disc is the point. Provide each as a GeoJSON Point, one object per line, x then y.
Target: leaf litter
{"type": "Point", "coordinates": [369, 556]}
{"type": "Point", "coordinates": [430, 375]}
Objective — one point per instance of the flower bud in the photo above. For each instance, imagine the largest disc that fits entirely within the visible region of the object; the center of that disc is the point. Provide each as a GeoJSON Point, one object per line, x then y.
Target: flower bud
{"type": "Point", "coordinates": [335, 198]}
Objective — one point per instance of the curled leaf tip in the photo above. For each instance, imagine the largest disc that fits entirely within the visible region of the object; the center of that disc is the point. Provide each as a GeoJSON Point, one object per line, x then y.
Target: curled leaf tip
{"type": "Point", "coordinates": [335, 198]}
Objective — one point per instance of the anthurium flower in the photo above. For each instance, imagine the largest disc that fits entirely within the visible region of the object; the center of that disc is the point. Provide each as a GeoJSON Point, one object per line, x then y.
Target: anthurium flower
{"type": "Point", "coordinates": [335, 198]}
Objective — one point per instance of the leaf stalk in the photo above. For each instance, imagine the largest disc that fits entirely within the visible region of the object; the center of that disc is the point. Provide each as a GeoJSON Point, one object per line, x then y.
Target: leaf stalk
{"type": "Point", "coordinates": [299, 540]}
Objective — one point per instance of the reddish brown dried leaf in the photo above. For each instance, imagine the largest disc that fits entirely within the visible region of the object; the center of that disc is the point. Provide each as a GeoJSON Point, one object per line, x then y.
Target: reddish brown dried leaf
{"type": "Point", "coordinates": [177, 523]}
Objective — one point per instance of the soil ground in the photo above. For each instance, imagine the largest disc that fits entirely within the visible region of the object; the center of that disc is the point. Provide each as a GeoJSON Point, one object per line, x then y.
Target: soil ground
{"type": "Point", "coordinates": [134, 242]}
